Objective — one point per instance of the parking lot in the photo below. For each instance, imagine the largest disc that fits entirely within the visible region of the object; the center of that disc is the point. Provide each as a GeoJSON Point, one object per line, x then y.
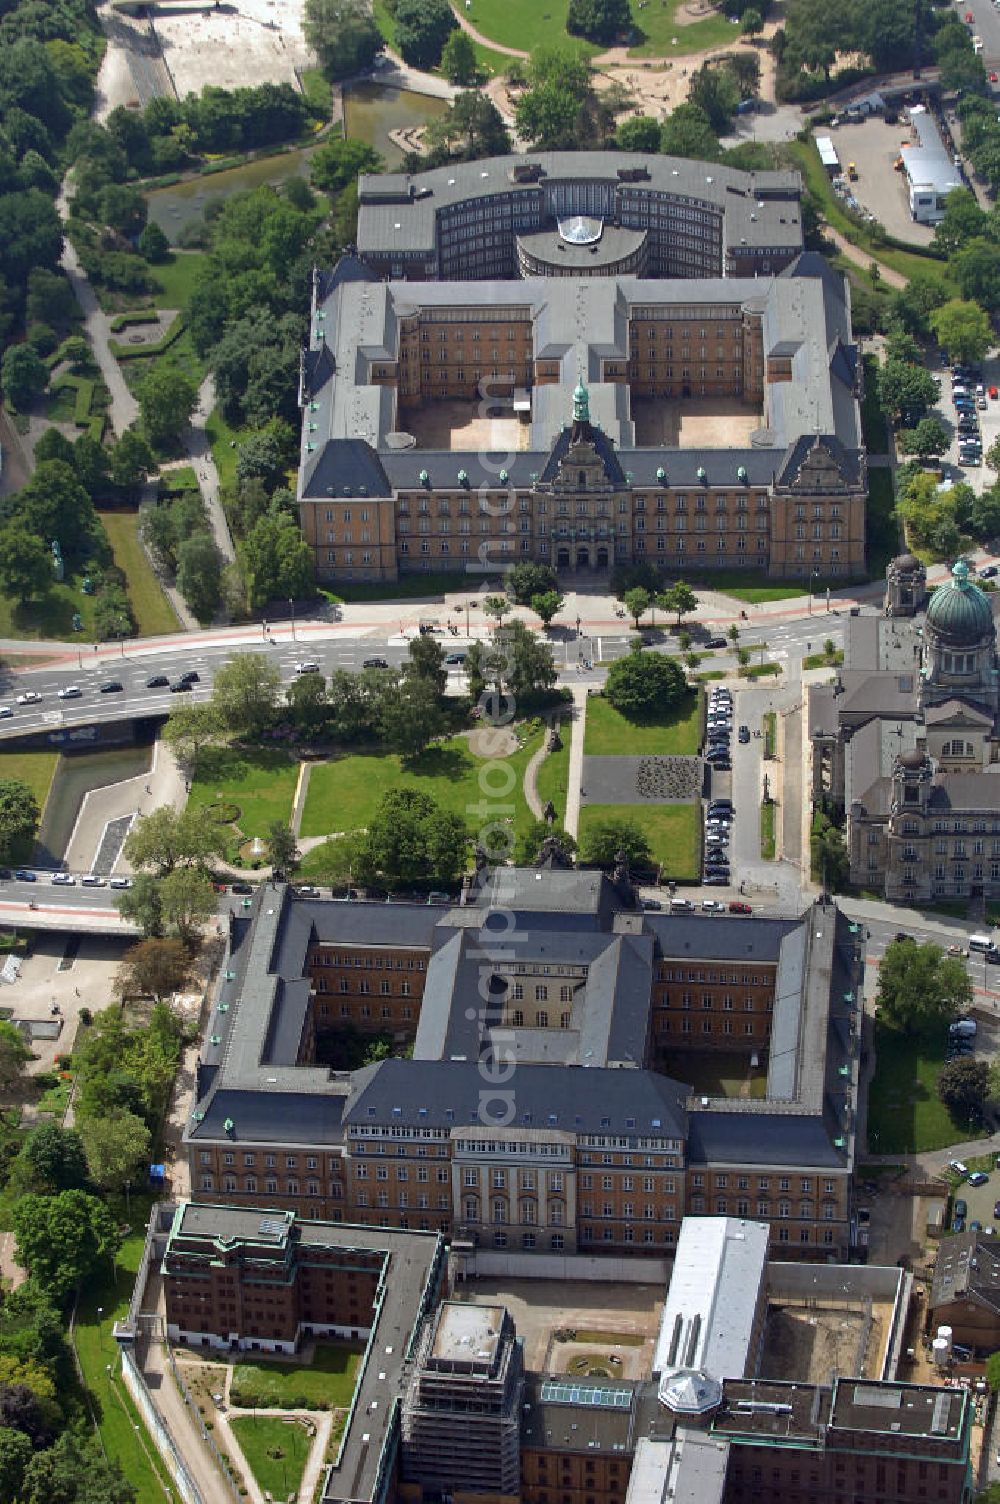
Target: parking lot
{"type": "Point", "coordinates": [980, 1200]}
{"type": "Point", "coordinates": [873, 147]}
{"type": "Point", "coordinates": [977, 476]}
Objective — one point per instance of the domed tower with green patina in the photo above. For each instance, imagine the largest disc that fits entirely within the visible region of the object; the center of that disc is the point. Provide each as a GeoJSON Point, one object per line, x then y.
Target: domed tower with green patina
{"type": "Point", "coordinates": [959, 653]}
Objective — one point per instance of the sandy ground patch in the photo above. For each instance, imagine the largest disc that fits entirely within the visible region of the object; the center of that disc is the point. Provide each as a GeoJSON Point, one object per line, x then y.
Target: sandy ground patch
{"type": "Point", "coordinates": [47, 979]}
{"type": "Point", "coordinates": [256, 41]}
{"type": "Point", "coordinates": [811, 1345]}
{"type": "Point", "coordinates": [493, 741]}
{"type": "Point", "coordinates": [694, 422]}
{"type": "Point", "coordinates": [454, 424]}
{"type": "Point", "coordinates": [617, 1361]}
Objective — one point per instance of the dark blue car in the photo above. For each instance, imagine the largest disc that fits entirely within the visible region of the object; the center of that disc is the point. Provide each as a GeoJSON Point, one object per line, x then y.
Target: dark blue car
{"type": "Point", "coordinates": [23, 876]}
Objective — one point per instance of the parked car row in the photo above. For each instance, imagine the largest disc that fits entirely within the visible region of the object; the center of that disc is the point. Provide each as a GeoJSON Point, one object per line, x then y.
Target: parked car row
{"type": "Point", "coordinates": [719, 730]}
{"type": "Point", "coordinates": [968, 395]}
{"type": "Point", "coordinates": [718, 827]}
{"type": "Point", "coordinates": [62, 879]}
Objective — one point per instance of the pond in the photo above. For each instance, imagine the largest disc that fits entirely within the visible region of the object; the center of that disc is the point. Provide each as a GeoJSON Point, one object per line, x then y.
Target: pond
{"type": "Point", "coordinates": [372, 110]}
{"type": "Point", "coordinates": [184, 203]}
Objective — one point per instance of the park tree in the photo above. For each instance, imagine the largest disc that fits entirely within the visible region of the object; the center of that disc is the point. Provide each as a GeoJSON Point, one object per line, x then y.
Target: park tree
{"type": "Point", "coordinates": [547, 605]}
{"type": "Point", "coordinates": [153, 968]}
{"type": "Point", "coordinates": [338, 163]}
{"type": "Point", "coordinates": [496, 607]}
{"type": "Point", "coordinates": [167, 398]}
{"type": "Point", "coordinates": [51, 299]}
{"type": "Point", "coordinates": [21, 1410]}
{"type": "Point", "coordinates": [262, 456]}
{"type": "Point", "coordinates": [642, 685]}
{"type": "Point", "coordinates": [913, 304]}
{"type": "Point", "coordinates": [904, 388]}
{"type": "Point", "coordinates": [679, 598]}
{"type": "Point", "coordinates": [343, 35]}
{"type": "Point", "coordinates": [282, 847]}
{"type": "Point", "coordinates": [16, 1451]}
{"type": "Point", "coordinates": [984, 514]}
{"type": "Point", "coordinates": [520, 662]}
{"type": "Point", "coordinates": [14, 1056]}
{"type": "Point", "coordinates": [23, 375]}
{"type": "Point", "coordinates": [964, 1086]}
{"type": "Point", "coordinates": [153, 243]}
{"type": "Point", "coordinates": [601, 843]}
{"type": "Point", "coordinates": [50, 1160]}
{"type": "Point", "coordinates": [828, 853]}
{"type": "Point", "coordinates": [529, 578]}
{"type": "Point", "coordinates": [168, 838]}
{"type": "Point", "coordinates": [31, 236]}
{"type": "Point", "coordinates": [421, 29]}
{"type": "Point", "coordinates": [920, 988]}
{"type": "Point", "coordinates": [25, 563]}
{"type": "Point", "coordinates": [470, 128]}
{"type": "Point", "coordinates": [309, 704]}
{"type": "Point", "coordinates": [199, 575]}
{"type": "Point", "coordinates": [73, 1471]}
{"type": "Point", "coordinates": [636, 602]}
{"type": "Point", "coordinates": [411, 719]}
{"type": "Point", "coordinates": [744, 69]}
{"type": "Point", "coordinates": [559, 110]}
{"type": "Point", "coordinates": [411, 841]}
{"type": "Point", "coordinates": [131, 461]}
{"type": "Point", "coordinates": [245, 693]}
{"type": "Point", "coordinates": [715, 91]}
{"type": "Point", "coordinates": [142, 904]}
{"type": "Point", "coordinates": [117, 1146]}
{"type": "Point", "coordinates": [976, 268]}
{"type": "Point", "coordinates": [963, 329]}
{"type": "Point", "coordinates": [62, 1239]}
{"type": "Point", "coordinates": [458, 58]}
{"type": "Point", "coordinates": [993, 1375]}
{"type": "Point", "coordinates": [188, 901]}
{"type": "Point", "coordinates": [963, 220]}
{"type": "Point", "coordinates": [19, 816]}
{"type": "Point", "coordinates": [751, 22]}
{"type": "Point", "coordinates": [688, 132]}
{"type": "Point", "coordinates": [425, 663]}
{"type": "Point", "coordinates": [599, 20]}
{"type": "Point", "coordinates": [639, 133]}
{"type": "Point", "coordinates": [930, 437]}
{"type": "Point", "coordinates": [190, 729]}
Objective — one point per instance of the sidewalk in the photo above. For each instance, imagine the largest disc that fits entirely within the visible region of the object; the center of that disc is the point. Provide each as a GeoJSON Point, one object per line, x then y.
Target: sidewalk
{"type": "Point", "coordinates": [163, 784]}
{"type": "Point", "coordinates": [575, 778]}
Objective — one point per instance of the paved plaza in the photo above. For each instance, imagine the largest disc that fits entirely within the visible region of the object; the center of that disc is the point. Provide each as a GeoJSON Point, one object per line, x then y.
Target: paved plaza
{"type": "Point", "coordinates": [641, 780]}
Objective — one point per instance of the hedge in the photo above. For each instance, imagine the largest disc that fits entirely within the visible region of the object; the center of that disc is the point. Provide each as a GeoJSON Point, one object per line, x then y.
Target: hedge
{"type": "Point", "coordinates": [84, 400]}
{"type": "Point", "coordinates": [140, 316]}
{"type": "Point", "coordinates": [144, 351]}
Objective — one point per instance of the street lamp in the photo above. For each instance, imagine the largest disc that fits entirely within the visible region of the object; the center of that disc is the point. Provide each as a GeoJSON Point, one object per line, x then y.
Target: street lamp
{"type": "Point", "coordinates": [813, 575]}
{"type": "Point", "coordinates": [291, 607]}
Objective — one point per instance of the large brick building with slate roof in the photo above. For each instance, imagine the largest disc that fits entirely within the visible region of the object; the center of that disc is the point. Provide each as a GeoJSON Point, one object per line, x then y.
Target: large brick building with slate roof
{"type": "Point", "coordinates": [543, 1107]}
{"type": "Point", "coordinates": [568, 292]}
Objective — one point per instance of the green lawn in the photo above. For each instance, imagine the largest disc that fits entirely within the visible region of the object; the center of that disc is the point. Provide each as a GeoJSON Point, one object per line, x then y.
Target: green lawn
{"type": "Point", "coordinates": [822, 660]}
{"type": "Point", "coordinates": [181, 354]}
{"type": "Point", "coordinates": [553, 775]}
{"type": "Point", "coordinates": [123, 1436]}
{"type": "Point", "coordinates": [905, 1115]}
{"type": "Point", "coordinates": [672, 830]}
{"type": "Point", "coordinates": [882, 537]}
{"type": "Point", "coordinates": [345, 792]}
{"type": "Point", "coordinates": [51, 615]}
{"type": "Point", "coordinates": [525, 25]}
{"type": "Point", "coordinates": [276, 1451]}
{"type": "Point", "coordinates": [224, 440]}
{"type": "Point", "coordinates": [175, 278]}
{"type": "Point", "coordinates": [260, 781]}
{"type": "Point", "coordinates": [755, 589]}
{"type": "Point", "coordinates": [874, 423]}
{"type": "Point", "coordinates": [770, 720]}
{"type": "Point", "coordinates": [153, 612]}
{"type": "Point", "coordinates": [767, 831]}
{"type": "Point", "coordinates": [36, 769]}
{"type": "Point", "coordinates": [610, 734]}
{"type": "Point", "coordinates": [327, 1383]}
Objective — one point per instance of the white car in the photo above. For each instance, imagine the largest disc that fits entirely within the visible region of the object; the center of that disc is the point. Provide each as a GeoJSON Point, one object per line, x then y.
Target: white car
{"type": "Point", "coordinates": [5, 711]}
{"type": "Point", "coordinates": [64, 879]}
{"type": "Point", "coordinates": [310, 666]}
{"type": "Point", "coordinates": [29, 697]}
{"type": "Point", "coordinates": [70, 692]}
{"type": "Point", "coordinates": [713, 906]}
{"type": "Point", "coordinates": [92, 881]}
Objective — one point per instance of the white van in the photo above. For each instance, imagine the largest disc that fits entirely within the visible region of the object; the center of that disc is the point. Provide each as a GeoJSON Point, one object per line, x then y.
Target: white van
{"type": "Point", "coordinates": [982, 943]}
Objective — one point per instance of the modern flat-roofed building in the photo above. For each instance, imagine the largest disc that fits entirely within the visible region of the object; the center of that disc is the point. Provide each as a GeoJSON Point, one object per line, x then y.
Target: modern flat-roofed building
{"type": "Point", "coordinates": [603, 1148]}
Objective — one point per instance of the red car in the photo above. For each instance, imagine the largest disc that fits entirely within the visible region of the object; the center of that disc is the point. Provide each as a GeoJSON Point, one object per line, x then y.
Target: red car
{"type": "Point", "coordinates": [993, 393]}
{"type": "Point", "coordinates": [969, 18]}
{"type": "Point", "coordinates": [994, 79]}
{"type": "Point", "coordinates": [739, 908]}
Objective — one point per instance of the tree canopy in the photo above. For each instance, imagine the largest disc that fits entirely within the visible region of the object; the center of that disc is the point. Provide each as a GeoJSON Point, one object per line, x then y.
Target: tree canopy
{"type": "Point", "coordinates": [412, 842]}
{"type": "Point", "coordinates": [343, 34]}
{"type": "Point", "coordinates": [62, 1239]}
{"type": "Point", "coordinates": [921, 989]}
{"type": "Point", "coordinates": [645, 684]}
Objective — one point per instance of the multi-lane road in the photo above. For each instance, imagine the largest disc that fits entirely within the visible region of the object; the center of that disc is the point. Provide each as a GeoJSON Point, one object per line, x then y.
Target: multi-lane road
{"type": "Point", "coordinates": [332, 648]}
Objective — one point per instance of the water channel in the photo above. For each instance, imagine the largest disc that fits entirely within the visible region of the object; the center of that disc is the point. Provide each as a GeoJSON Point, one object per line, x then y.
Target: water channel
{"type": "Point", "coordinates": [371, 111]}
{"type": "Point", "coordinates": [77, 773]}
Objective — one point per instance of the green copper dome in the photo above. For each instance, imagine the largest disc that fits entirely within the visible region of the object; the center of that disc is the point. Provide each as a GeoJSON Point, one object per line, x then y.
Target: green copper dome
{"type": "Point", "coordinates": [581, 403]}
{"type": "Point", "coordinates": [959, 612]}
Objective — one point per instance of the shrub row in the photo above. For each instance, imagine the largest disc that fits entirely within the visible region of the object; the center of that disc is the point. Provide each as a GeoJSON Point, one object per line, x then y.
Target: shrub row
{"type": "Point", "coordinates": [144, 351]}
